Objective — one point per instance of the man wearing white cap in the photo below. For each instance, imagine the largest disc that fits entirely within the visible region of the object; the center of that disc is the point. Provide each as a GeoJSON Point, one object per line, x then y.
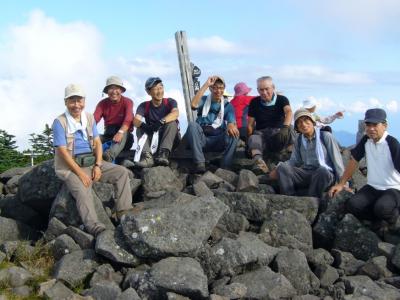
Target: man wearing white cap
{"type": "Point", "coordinates": [117, 112]}
{"type": "Point", "coordinates": [78, 160]}
{"type": "Point", "coordinates": [315, 162]}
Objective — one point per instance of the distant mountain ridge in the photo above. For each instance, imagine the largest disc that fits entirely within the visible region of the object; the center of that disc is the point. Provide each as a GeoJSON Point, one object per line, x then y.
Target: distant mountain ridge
{"type": "Point", "coordinates": [345, 138]}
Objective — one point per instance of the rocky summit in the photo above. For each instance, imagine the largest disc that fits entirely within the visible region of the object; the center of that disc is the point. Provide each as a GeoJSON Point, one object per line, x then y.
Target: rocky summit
{"type": "Point", "coordinates": [220, 235]}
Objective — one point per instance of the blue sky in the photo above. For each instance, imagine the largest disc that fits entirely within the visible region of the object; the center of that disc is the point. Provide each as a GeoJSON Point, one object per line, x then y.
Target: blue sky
{"type": "Point", "coordinates": [345, 54]}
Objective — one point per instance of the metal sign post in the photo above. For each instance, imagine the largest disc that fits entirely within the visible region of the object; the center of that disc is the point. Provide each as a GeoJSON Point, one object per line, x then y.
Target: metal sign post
{"type": "Point", "coordinates": [189, 73]}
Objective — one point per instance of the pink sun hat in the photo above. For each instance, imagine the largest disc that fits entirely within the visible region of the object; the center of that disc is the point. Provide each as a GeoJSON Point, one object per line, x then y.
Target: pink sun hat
{"type": "Point", "coordinates": [241, 89]}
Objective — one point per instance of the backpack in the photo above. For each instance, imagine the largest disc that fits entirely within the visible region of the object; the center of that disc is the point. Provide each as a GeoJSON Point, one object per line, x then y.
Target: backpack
{"type": "Point", "coordinates": [321, 137]}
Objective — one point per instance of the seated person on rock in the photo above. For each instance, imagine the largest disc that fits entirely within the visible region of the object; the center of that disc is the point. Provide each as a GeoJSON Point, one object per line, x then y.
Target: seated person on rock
{"type": "Point", "coordinates": [160, 131]}
{"type": "Point", "coordinates": [117, 112]}
{"type": "Point", "coordinates": [379, 199]}
{"type": "Point", "coordinates": [78, 160]}
{"type": "Point", "coordinates": [241, 103]}
{"type": "Point", "coordinates": [316, 162]}
{"type": "Point", "coordinates": [215, 127]}
{"type": "Point", "coordinates": [269, 122]}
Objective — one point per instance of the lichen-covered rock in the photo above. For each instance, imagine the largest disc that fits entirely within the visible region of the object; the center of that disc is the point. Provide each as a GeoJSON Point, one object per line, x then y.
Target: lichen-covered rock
{"type": "Point", "coordinates": [73, 268]}
{"type": "Point", "coordinates": [364, 246]}
{"type": "Point", "coordinates": [362, 286]}
{"type": "Point", "coordinates": [178, 230]}
{"type": "Point", "coordinates": [182, 275]}
{"type": "Point", "coordinates": [259, 207]}
{"type": "Point", "coordinates": [160, 179]}
{"type": "Point", "coordinates": [39, 187]}
{"type": "Point", "coordinates": [231, 257]}
{"type": "Point", "coordinates": [12, 230]}
{"type": "Point", "coordinates": [287, 228]}
{"type": "Point", "coordinates": [292, 263]}
{"type": "Point", "coordinates": [247, 182]}
{"type": "Point", "coordinates": [263, 283]}
{"type": "Point", "coordinates": [111, 244]}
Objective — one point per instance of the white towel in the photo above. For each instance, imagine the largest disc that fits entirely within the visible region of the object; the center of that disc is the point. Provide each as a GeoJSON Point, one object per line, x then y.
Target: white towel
{"type": "Point", "coordinates": [142, 141]}
{"type": "Point", "coordinates": [206, 108]}
{"type": "Point", "coordinates": [318, 148]}
{"type": "Point", "coordinates": [74, 126]}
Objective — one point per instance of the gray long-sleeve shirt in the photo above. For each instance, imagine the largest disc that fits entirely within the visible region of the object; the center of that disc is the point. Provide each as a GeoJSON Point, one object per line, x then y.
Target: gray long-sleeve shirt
{"type": "Point", "coordinates": [306, 156]}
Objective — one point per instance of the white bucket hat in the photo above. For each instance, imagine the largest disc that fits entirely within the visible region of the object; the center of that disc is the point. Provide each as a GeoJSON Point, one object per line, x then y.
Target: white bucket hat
{"type": "Point", "coordinates": [309, 103]}
{"type": "Point", "coordinates": [114, 80]}
{"type": "Point", "coordinates": [74, 90]}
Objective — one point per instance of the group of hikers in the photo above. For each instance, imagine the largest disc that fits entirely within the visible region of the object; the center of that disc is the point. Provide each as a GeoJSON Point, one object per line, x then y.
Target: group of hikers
{"type": "Point", "coordinates": [263, 123]}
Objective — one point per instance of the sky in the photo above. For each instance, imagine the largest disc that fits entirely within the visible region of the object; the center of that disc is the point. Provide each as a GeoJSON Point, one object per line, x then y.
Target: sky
{"type": "Point", "coordinates": [343, 53]}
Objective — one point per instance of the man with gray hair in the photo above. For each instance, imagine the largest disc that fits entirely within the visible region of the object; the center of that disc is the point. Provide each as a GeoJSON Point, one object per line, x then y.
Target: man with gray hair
{"type": "Point", "coordinates": [78, 161]}
{"type": "Point", "coordinates": [270, 116]}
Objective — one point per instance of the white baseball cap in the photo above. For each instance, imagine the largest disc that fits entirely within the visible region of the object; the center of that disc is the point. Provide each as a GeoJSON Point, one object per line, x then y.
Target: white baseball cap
{"type": "Point", "coordinates": [74, 90]}
{"type": "Point", "coordinates": [309, 103]}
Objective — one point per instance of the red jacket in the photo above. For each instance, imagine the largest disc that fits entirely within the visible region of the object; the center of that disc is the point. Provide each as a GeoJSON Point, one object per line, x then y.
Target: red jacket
{"type": "Point", "coordinates": [241, 104]}
{"type": "Point", "coordinates": [120, 113]}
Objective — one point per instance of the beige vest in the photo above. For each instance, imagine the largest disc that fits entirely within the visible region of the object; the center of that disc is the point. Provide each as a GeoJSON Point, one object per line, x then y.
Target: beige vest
{"type": "Point", "coordinates": [61, 168]}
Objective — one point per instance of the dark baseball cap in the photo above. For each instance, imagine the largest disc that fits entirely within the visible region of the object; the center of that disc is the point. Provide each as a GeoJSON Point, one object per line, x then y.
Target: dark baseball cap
{"type": "Point", "coordinates": [375, 115]}
{"type": "Point", "coordinates": [151, 82]}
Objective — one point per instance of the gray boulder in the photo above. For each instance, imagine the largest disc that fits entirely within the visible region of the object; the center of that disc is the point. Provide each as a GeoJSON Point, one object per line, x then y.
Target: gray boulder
{"type": "Point", "coordinates": [248, 182]}
{"type": "Point", "coordinates": [259, 207]}
{"type": "Point", "coordinates": [64, 209]}
{"type": "Point", "coordinates": [73, 268]}
{"type": "Point", "coordinates": [129, 294]}
{"type": "Point", "coordinates": [227, 175]}
{"type": "Point", "coordinates": [319, 257]}
{"type": "Point", "coordinates": [54, 229]}
{"type": "Point", "coordinates": [375, 268]}
{"type": "Point", "coordinates": [364, 246]}
{"type": "Point", "coordinates": [234, 222]}
{"type": "Point", "coordinates": [346, 262]}
{"type": "Point", "coordinates": [232, 291]}
{"type": "Point", "coordinates": [362, 287]}
{"type": "Point", "coordinates": [63, 245]}
{"type": "Point", "coordinates": [111, 244]}
{"type": "Point", "coordinates": [231, 257]}
{"type": "Point", "coordinates": [263, 283]}
{"type": "Point", "coordinates": [210, 179]}
{"type": "Point", "coordinates": [201, 189]}
{"type": "Point", "coordinates": [10, 173]}
{"type": "Point", "coordinates": [105, 272]}
{"type": "Point", "coordinates": [292, 263]}
{"type": "Point", "coordinates": [58, 291]}
{"type": "Point", "coordinates": [178, 230]}
{"type": "Point", "coordinates": [11, 207]}
{"type": "Point", "coordinates": [39, 187]}
{"type": "Point", "coordinates": [12, 230]}
{"type": "Point", "coordinates": [287, 228]}
{"type": "Point", "coordinates": [182, 275]}
{"type": "Point", "coordinates": [106, 290]}
{"type": "Point", "coordinates": [327, 275]}
{"type": "Point", "coordinates": [83, 239]}
{"type": "Point", "coordinates": [160, 179]}
{"type": "Point", "coordinates": [333, 211]}
{"type": "Point", "coordinates": [15, 276]}
{"type": "Point", "coordinates": [11, 186]}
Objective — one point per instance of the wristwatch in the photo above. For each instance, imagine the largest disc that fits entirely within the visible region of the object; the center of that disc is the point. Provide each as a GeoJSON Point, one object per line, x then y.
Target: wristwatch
{"type": "Point", "coordinates": [162, 121]}
{"type": "Point", "coordinates": [120, 131]}
{"type": "Point", "coordinates": [98, 165]}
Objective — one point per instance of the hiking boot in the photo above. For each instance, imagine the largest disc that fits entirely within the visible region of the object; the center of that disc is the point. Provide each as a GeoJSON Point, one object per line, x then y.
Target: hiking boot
{"type": "Point", "coordinates": [107, 156]}
{"type": "Point", "coordinates": [200, 168]}
{"type": "Point", "coordinates": [132, 211]}
{"type": "Point", "coordinates": [146, 161]}
{"type": "Point", "coordinates": [162, 157]}
{"type": "Point", "coordinates": [260, 167]}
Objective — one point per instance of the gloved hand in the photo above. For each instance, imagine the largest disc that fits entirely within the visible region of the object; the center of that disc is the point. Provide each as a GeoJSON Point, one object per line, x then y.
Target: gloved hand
{"type": "Point", "coordinates": [146, 128]}
{"type": "Point", "coordinates": [285, 132]}
{"type": "Point", "coordinates": [155, 126]}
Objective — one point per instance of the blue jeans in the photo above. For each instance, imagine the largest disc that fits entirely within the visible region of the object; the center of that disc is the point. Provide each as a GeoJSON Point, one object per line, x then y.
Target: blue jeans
{"type": "Point", "coordinates": [200, 143]}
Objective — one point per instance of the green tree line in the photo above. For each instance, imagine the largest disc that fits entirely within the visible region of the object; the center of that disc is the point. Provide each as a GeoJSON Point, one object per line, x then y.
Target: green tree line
{"type": "Point", "coordinates": [41, 146]}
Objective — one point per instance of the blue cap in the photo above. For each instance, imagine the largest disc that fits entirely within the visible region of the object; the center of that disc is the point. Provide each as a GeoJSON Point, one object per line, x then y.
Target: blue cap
{"type": "Point", "coordinates": [151, 82]}
{"type": "Point", "coordinates": [375, 115]}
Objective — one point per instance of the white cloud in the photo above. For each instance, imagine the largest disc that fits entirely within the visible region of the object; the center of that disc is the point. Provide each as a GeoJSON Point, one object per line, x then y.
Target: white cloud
{"type": "Point", "coordinates": [363, 16]}
{"type": "Point", "coordinates": [38, 60]}
{"type": "Point", "coordinates": [319, 74]}
{"type": "Point", "coordinates": [392, 106]}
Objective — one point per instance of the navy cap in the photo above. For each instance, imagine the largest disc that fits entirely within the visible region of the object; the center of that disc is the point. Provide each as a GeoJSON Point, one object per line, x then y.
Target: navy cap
{"type": "Point", "coordinates": [151, 82]}
{"type": "Point", "coordinates": [375, 115]}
